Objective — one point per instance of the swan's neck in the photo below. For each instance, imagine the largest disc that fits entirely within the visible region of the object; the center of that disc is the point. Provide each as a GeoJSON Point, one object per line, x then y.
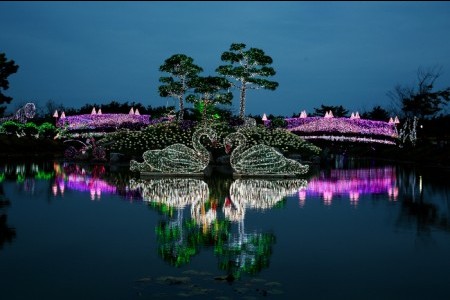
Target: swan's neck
{"type": "Point", "coordinates": [196, 144]}
{"type": "Point", "coordinates": [240, 141]}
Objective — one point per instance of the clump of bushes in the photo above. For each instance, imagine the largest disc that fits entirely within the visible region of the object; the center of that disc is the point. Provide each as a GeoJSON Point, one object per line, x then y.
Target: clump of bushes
{"type": "Point", "coordinates": [161, 135]}
{"type": "Point", "coordinates": [29, 129]}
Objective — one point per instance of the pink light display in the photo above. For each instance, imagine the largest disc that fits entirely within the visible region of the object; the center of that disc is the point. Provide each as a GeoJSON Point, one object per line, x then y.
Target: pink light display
{"type": "Point", "coordinates": [98, 120]}
{"type": "Point", "coordinates": [343, 129]}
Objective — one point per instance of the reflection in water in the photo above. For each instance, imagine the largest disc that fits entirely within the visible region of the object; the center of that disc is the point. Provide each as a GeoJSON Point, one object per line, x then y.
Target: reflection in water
{"type": "Point", "coordinates": [209, 214]}
{"type": "Point", "coordinates": [181, 239]}
{"type": "Point", "coordinates": [259, 194]}
{"type": "Point", "coordinates": [75, 177]}
{"type": "Point", "coordinates": [7, 234]}
{"type": "Point", "coordinates": [352, 183]}
{"type": "Point", "coordinates": [250, 252]}
{"type": "Point", "coordinates": [421, 210]}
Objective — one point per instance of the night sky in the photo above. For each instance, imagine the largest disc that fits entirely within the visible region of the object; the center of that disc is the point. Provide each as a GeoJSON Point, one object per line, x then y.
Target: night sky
{"type": "Point", "coordinates": [332, 53]}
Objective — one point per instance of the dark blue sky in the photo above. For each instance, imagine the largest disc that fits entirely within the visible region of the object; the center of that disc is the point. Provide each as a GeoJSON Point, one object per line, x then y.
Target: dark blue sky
{"type": "Point", "coordinates": [332, 53]}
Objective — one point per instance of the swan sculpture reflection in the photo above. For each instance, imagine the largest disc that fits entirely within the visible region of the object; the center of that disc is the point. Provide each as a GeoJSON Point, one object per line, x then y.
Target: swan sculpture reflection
{"type": "Point", "coordinates": [259, 159]}
{"type": "Point", "coordinates": [174, 192]}
{"type": "Point", "coordinates": [178, 158]}
{"type": "Point", "coordinates": [258, 194]}
{"type": "Point", "coordinates": [177, 193]}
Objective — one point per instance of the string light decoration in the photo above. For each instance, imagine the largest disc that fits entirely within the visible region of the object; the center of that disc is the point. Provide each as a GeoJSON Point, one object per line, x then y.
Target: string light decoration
{"type": "Point", "coordinates": [258, 194]}
{"type": "Point", "coordinates": [259, 159]}
{"type": "Point", "coordinates": [178, 193]}
{"type": "Point", "coordinates": [174, 192]}
{"type": "Point", "coordinates": [22, 114]}
{"type": "Point", "coordinates": [97, 120]}
{"type": "Point", "coordinates": [352, 129]}
{"type": "Point", "coordinates": [178, 158]}
{"type": "Point", "coordinates": [409, 131]}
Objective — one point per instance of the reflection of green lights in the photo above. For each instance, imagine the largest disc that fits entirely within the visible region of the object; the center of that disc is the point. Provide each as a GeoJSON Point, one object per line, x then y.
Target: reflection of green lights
{"type": "Point", "coordinates": [20, 178]}
{"type": "Point", "coordinates": [44, 175]}
{"type": "Point", "coordinates": [162, 208]}
{"type": "Point", "coordinates": [2, 177]}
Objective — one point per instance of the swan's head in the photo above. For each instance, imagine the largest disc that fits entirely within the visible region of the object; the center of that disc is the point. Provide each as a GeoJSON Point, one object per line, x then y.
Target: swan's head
{"type": "Point", "coordinates": [228, 145]}
{"type": "Point", "coordinates": [209, 133]}
{"type": "Point", "coordinates": [232, 140]}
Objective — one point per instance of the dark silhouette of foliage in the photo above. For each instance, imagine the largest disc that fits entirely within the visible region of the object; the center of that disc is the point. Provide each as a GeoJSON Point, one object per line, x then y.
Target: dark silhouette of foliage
{"type": "Point", "coordinates": [338, 111]}
{"type": "Point", "coordinates": [420, 100]}
{"type": "Point", "coordinates": [7, 67]}
{"type": "Point", "coordinates": [377, 114]}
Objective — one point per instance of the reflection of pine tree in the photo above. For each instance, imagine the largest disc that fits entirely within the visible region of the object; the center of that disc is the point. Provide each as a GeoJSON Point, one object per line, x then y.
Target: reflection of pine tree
{"type": "Point", "coordinates": [247, 253]}
{"type": "Point", "coordinates": [180, 240]}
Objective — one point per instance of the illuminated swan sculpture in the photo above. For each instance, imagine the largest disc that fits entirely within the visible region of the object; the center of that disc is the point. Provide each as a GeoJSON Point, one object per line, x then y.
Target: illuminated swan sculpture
{"type": "Point", "coordinates": [259, 159]}
{"type": "Point", "coordinates": [178, 158]}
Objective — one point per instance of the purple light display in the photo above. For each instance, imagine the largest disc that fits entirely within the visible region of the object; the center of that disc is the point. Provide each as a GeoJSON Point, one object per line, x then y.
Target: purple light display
{"type": "Point", "coordinates": [351, 129]}
{"type": "Point", "coordinates": [94, 121]}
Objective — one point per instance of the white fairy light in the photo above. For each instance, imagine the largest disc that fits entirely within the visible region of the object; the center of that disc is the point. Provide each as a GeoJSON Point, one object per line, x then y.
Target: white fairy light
{"type": "Point", "coordinates": [259, 159]}
{"type": "Point", "coordinates": [258, 194]}
{"type": "Point", "coordinates": [174, 192]}
{"type": "Point", "coordinates": [93, 112]}
{"type": "Point", "coordinates": [131, 112]}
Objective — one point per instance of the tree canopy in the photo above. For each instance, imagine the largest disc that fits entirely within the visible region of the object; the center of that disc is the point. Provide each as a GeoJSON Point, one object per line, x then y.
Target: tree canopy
{"type": "Point", "coordinates": [249, 69]}
{"type": "Point", "coordinates": [183, 71]}
{"type": "Point", "coordinates": [7, 67]}
{"type": "Point", "coordinates": [338, 111]}
{"type": "Point", "coordinates": [209, 91]}
{"type": "Point", "coordinates": [377, 114]}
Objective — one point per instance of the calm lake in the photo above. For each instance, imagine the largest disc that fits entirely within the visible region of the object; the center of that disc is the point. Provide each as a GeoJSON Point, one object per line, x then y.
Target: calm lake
{"type": "Point", "coordinates": [352, 230]}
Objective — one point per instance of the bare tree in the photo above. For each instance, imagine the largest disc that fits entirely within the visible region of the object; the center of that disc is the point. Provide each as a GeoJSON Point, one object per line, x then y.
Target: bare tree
{"type": "Point", "coordinates": [420, 100]}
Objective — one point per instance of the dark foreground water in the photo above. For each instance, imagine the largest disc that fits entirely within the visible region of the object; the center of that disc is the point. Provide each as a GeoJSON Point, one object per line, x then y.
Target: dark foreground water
{"type": "Point", "coordinates": [360, 231]}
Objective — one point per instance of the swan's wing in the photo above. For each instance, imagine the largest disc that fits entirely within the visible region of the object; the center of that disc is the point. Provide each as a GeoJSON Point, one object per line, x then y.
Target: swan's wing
{"type": "Point", "coordinates": [180, 158]}
{"type": "Point", "coordinates": [261, 157]}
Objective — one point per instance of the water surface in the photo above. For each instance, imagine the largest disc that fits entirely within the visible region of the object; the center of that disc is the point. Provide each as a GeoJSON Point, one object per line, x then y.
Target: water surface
{"type": "Point", "coordinates": [353, 231]}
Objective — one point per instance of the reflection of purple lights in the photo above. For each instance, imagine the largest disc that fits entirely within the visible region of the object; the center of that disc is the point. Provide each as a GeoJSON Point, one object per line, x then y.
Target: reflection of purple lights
{"type": "Point", "coordinates": [352, 183]}
{"type": "Point", "coordinates": [95, 186]}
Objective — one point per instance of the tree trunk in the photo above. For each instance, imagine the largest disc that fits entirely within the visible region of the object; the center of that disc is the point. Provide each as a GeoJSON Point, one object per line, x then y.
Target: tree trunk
{"type": "Point", "coordinates": [181, 113]}
{"type": "Point", "coordinates": [242, 107]}
{"type": "Point", "coordinates": [204, 114]}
